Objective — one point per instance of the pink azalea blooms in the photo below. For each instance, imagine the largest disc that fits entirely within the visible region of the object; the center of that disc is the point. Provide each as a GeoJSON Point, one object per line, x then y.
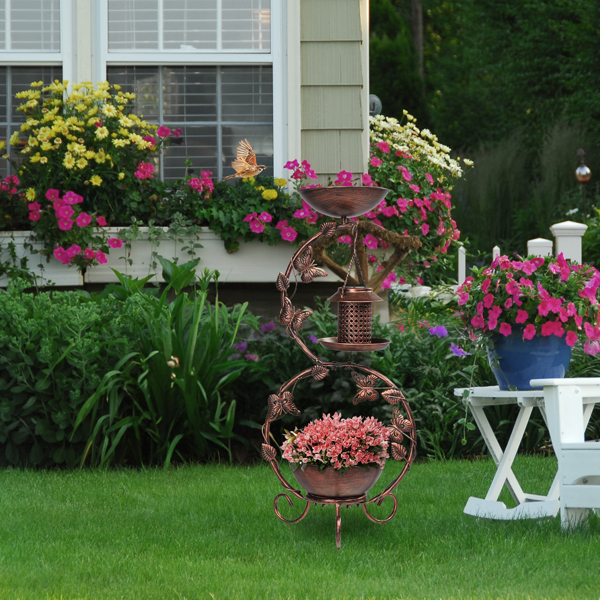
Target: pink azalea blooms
{"type": "Point", "coordinates": [429, 178]}
{"type": "Point", "coordinates": [83, 220]}
{"type": "Point", "coordinates": [65, 224]}
{"type": "Point", "coordinates": [288, 234]}
{"type": "Point", "coordinates": [376, 162]}
{"type": "Point", "coordinates": [52, 194]}
{"type": "Point", "coordinates": [529, 332]}
{"type": "Point", "coordinates": [101, 221]}
{"type": "Point", "coordinates": [384, 147]}
{"type": "Point", "coordinates": [370, 241]}
{"type": "Point", "coordinates": [571, 338]}
{"type": "Point", "coordinates": [101, 257]}
{"type": "Point", "coordinates": [115, 242]}
{"type": "Point", "coordinates": [505, 329]}
{"type": "Point", "coordinates": [163, 131]}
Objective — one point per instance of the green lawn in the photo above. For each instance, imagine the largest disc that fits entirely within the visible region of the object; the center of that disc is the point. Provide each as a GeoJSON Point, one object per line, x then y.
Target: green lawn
{"type": "Point", "coordinates": [210, 532]}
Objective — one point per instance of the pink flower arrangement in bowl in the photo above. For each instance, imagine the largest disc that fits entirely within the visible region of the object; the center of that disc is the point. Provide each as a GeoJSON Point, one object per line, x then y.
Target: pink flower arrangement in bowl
{"type": "Point", "coordinates": [338, 443]}
{"type": "Point", "coordinates": [536, 296]}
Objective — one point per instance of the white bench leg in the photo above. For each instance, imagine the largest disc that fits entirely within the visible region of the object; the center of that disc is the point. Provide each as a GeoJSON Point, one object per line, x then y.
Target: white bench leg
{"type": "Point", "coordinates": [573, 517]}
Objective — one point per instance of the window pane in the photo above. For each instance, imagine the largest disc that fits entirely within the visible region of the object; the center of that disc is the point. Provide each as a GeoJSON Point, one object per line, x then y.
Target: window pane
{"type": "Point", "coordinates": [247, 93]}
{"type": "Point", "coordinates": [2, 25]}
{"type": "Point", "coordinates": [246, 25]}
{"type": "Point", "coordinates": [196, 144]}
{"type": "Point", "coordinates": [35, 25]}
{"type": "Point", "coordinates": [143, 82]}
{"type": "Point", "coordinates": [190, 93]}
{"type": "Point", "coordinates": [190, 25]}
{"type": "Point", "coordinates": [260, 138]}
{"type": "Point", "coordinates": [132, 25]}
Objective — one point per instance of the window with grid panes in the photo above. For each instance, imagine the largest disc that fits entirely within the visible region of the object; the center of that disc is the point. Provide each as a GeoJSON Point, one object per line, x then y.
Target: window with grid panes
{"type": "Point", "coordinates": [215, 106]}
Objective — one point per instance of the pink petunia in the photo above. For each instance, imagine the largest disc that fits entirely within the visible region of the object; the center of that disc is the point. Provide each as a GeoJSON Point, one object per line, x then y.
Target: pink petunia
{"type": "Point", "coordinates": [415, 188]}
{"type": "Point", "coordinates": [376, 162]}
{"type": "Point", "coordinates": [73, 250]}
{"type": "Point", "coordinates": [405, 173]}
{"type": "Point", "coordinates": [368, 181]}
{"type": "Point", "coordinates": [424, 228]}
{"type": "Point", "coordinates": [60, 254]}
{"type": "Point", "coordinates": [488, 300]}
{"type": "Point", "coordinates": [288, 234]}
{"type": "Point", "coordinates": [571, 338]}
{"type": "Point", "coordinates": [150, 139]}
{"type": "Point", "coordinates": [101, 257]}
{"type": "Point", "coordinates": [281, 224]}
{"type": "Point", "coordinates": [83, 220]}
{"type": "Point", "coordinates": [65, 224]}
{"type": "Point", "coordinates": [115, 242]}
{"type": "Point", "coordinates": [34, 215]}
{"type": "Point", "coordinates": [370, 241]}
{"type": "Point", "coordinates": [384, 147]}
{"type": "Point", "coordinates": [89, 253]}
{"type": "Point", "coordinates": [265, 217]}
{"type": "Point", "coordinates": [387, 282]}
{"type": "Point", "coordinates": [429, 178]}
{"type": "Point", "coordinates": [522, 316]}
{"type": "Point", "coordinates": [101, 221]}
{"type": "Point", "coordinates": [52, 195]}
{"type": "Point", "coordinates": [345, 239]}
{"type": "Point", "coordinates": [64, 212]}
{"type": "Point", "coordinates": [163, 131]}
{"type": "Point", "coordinates": [292, 165]}
{"type": "Point", "coordinates": [505, 329]}
{"type": "Point", "coordinates": [256, 226]}
{"type": "Point", "coordinates": [34, 206]}
{"type": "Point", "coordinates": [72, 198]}
{"type": "Point", "coordinates": [529, 332]}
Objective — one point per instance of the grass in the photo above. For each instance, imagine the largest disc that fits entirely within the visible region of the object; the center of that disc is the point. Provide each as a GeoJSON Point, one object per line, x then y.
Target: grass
{"type": "Point", "coordinates": [210, 532]}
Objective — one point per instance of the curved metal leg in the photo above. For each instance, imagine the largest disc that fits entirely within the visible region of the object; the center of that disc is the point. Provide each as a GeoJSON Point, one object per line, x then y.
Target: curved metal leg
{"type": "Point", "coordinates": [382, 521]}
{"type": "Point", "coordinates": [291, 504]}
{"type": "Point", "coordinates": [338, 527]}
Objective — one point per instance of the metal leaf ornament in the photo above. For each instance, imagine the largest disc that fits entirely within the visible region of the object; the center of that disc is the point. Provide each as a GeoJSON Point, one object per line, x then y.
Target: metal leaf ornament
{"type": "Point", "coordinates": [278, 405]}
{"type": "Point", "coordinates": [398, 452]}
{"type": "Point", "coordinates": [319, 372]}
{"type": "Point", "coordinates": [328, 229]}
{"type": "Point", "coordinates": [400, 423]}
{"type": "Point", "coordinates": [307, 268]}
{"type": "Point", "coordinates": [283, 283]}
{"type": "Point", "coordinates": [269, 453]}
{"type": "Point", "coordinates": [393, 395]}
{"type": "Point", "coordinates": [366, 385]}
{"type": "Point", "coordinates": [287, 312]}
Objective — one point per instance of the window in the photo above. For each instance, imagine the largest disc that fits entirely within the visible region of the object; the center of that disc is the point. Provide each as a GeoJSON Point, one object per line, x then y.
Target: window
{"type": "Point", "coordinates": [30, 25]}
{"type": "Point", "coordinates": [202, 66]}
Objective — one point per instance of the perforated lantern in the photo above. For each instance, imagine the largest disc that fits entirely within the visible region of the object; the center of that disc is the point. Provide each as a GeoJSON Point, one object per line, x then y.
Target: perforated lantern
{"type": "Point", "coordinates": [355, 316]}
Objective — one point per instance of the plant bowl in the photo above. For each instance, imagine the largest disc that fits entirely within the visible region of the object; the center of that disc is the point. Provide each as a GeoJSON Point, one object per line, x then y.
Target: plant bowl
{"type": "Point", "coordinates": [329, 483]}
{"type": "Point", "coordinates": [343, 201]}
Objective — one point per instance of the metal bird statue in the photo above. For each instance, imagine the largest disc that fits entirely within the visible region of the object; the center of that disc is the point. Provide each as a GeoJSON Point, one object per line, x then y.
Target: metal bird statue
{"type": "Point", "coordinates": [245, 163]}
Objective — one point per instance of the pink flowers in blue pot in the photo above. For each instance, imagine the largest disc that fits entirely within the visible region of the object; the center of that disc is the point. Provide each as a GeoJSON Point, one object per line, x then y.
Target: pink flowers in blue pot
{"type": "Point", "coordinates": [538, 297]}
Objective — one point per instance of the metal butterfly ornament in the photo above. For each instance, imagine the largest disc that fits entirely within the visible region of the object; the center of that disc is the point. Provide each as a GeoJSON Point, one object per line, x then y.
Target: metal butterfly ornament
{"type": "Point", "coordinates": [307, 268]}
{"type": "Point", "coordinates": [278, 405]}
{"type": "Point", "coordinates": [245, 163]}
{"type": "Point", "coordinates": [366, 387]}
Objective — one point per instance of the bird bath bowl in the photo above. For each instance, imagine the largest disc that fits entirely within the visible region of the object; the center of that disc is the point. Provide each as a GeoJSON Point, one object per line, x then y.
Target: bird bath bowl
{"type": "Point", "coordinates": [343, 201]}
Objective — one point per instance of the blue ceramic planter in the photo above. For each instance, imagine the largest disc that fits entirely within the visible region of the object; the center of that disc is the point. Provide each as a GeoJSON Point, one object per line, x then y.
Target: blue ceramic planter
{"type": "Point", "coordinates": [522, 360]}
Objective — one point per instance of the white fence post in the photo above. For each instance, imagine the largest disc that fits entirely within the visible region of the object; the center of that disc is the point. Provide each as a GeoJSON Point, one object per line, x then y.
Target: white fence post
{"type": "Point", "coordinates": [462, 265]}
{"type": "Point", "coordinates": [568, 236]}
{"type": "Point", "coordinates": [495, 252]}
{"type": "Point", "coordinates": [539, 247]}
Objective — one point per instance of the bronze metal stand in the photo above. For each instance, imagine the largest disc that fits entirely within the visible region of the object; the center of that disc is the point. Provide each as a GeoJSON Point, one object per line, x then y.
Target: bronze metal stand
{"type": "Point", "coordinates": [354, 331]}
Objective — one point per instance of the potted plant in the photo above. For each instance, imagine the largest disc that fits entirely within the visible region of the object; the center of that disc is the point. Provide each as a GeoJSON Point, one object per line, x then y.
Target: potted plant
{"type": "Point", "coordinates": [530, 313]}
{"type": "Point", "coordinates": [337, 458]}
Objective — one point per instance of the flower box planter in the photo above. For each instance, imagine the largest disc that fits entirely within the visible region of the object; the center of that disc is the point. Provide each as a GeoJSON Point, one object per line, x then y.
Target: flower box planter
{"type": "Point", "coordinates": [254, 262]}
{"type": "Point", "coordinates": [47, 272]}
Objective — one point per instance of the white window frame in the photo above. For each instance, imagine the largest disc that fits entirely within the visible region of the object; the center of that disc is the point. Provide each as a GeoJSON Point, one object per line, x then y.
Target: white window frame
{"type": "Point", "coordinates": [64, 58]}
{"type": "Point", "coordinates": [274, 58]}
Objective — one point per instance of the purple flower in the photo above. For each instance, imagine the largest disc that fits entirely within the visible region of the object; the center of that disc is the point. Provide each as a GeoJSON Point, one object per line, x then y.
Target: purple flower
{"type": "Point", "coordinates": [267, 327]}
{"type": "Point", "coordinates": [241, 347]}
{"type": "Point", "coordinates": [458, 351]}
{"type": "Point", "coordinates": [252, 357]}
{"type": "Point", "coordinates": [440, 331]}
{"type": "Point", "coordinates": [313, 339]}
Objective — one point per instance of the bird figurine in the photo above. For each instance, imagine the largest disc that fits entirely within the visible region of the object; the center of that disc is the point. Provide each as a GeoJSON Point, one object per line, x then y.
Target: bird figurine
{"type": "Point", "coordinates": [245, 163]}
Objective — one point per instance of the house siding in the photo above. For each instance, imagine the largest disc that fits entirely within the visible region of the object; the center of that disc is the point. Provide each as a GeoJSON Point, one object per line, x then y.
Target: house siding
{"type": "Point", "coordinates": [333, 85]}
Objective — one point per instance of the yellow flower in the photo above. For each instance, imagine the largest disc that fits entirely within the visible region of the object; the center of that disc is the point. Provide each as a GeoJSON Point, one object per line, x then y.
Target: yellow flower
{"type": "Point", "coordinates": [100, 157]}
{"type": "Point", "coordinates": [248, 179]}
{"type": "Point", "coordinates": [120, 143]}
{"type": "Point", "coordinates": [109, 110]}
{"type": "Point", "coordinates": [96, 180]}
{"type": "Point", "coordinates": [46, 146]}
{"type": "Point", "coordinates": [260, 188]}
{"type": "Point", "coordinates": [35, 158]}
{"type": "Point", "coordinates": [102, 132]}
{"type": "Point", "coordinates": [25, 127]}
{"type": "Point", "coordinates": [468, 162]}
{"type": "Point", "coordinates": [81, 163]}
{"type": "Point", "coordinates": [14, 138]}
{"type": "Point", "coordinates": [89, 154]}
{"type": "Point", "coordinates": [69, 161]}
{"type": "Point", "coordinates": [121, 176]}
{"type": "Point", "coordinates": [280, 182]}
{"type": "Point", "coordinates": [43, 160]}
{"type": "Point", "coordinates": [37, 84]}
{"type": "Point", "coordinates": [103, 85]}
{"type": "Point", "coordinates": [30, 194]}
{"type": "Point", "coordinates": [2, 145]}
{"type": "Point", "coordinates": [126, 121]}
{"type": "Point", "coordinates": [32, 141]}
{"type": "Point", "coordinates": [269, 194]}
{"type": "Point", "coordinates": [57, 141]}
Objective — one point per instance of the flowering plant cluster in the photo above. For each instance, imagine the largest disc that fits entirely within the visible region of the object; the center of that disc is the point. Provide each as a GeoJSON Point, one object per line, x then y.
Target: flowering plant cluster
{"type": "Point", "coordinates": [418, 170]}
{"type": "Point", "coordinates": [534, 296]}
{"type": "Point", "coordinates": [340, 443]}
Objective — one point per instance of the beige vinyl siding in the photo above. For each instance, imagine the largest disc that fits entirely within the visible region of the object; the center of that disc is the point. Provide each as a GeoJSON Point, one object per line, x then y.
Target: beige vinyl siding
{"type": "Point", "coordinates": [332, 80]}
